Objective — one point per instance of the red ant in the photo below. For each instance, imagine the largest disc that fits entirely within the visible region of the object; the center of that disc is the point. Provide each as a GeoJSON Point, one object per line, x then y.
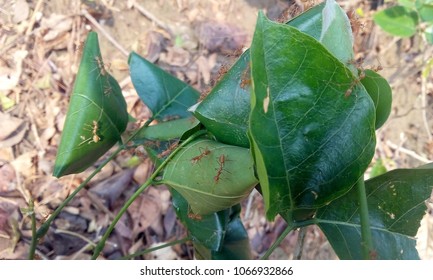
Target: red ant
{"type": "Point", "coordinates": [196, 159]}
{"type": "Point", "coordinates": [195, 216]}
{"type": "Point", "coordinates": [246, 77]}
{"type": "Point", "coordinates": [361, 75]}
{"type": "Point", "coordinates": [221, 161]}
{"type": "Point", "coordinates": [168, 151]}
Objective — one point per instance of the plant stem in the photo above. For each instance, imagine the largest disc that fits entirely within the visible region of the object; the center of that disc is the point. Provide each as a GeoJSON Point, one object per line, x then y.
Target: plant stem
{"type": "Point", "coordinates": [367, 241]}
{"type": "Point", "coordinates": [277, 242]}
{"type": "Point", "coordinates": [46, 225]}
{"type": "Point", "coordinates": [149, 181]}
{"type": "Point", "coordinates": [34, 239]}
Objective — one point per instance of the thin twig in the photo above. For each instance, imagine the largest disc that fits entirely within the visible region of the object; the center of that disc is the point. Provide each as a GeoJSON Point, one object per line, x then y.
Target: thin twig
{"type": "Point", "coordinates": [408, 152]}
{"type": "Point", "coordinates": [33, 18]}
{"type": "Point", "coordinates": [104, 32]}
{"type": "Point", "coordinates": [151, 17]}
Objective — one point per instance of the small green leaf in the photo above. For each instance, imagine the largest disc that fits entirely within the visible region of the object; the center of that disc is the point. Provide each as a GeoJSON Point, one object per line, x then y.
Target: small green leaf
{"type": "Point", "coordinates": [381, 94]}
{"type": "Point", "coordinates": [398, 21]}
{"type": "Point", "coordinates": [96, 116]}
{"type": "Point", "coordinates": [377, 169]}
{"type": "Point", "coordinates": [166, 131]}
{"type": "Point", "coordinates": [165, 95]}
{"type": "Point", "coordinates": [396, 202]}
{"type": "Point", "coordinates": [312, 135]}
{"type": "Point", "coordinates": [425, 9]}
{"type": "Point", "coordinates": [211, 176]}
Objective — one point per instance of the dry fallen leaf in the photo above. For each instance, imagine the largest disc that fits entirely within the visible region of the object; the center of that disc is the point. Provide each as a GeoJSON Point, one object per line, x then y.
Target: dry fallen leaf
{"type": "Point", "coordinates": [13, 130]}
{"type": "Point", "coordinates": [24, 163]}
{"type": "Point", "coordinates": [56, 25]}
{"type": "Point", "coordinates": [144, 211]}
{"type": "Point", "coordinates": [166, 253]}
{"type": "Point", "coordinates": [114, 186]}
{"type": "Point", "coordinates": [7, 178]}
{"type": "Point", "coordinates": [220, 37]}
{"type": "Point", "coordinates": [21, 11]}
{"type": "Point", "coordinates": [9, 77]}
{"type": "Point", "coordinates": [175, 56]}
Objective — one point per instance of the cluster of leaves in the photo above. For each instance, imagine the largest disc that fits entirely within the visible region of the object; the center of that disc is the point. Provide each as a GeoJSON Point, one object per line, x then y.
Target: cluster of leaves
{"type": "Point", "coordinates": [293, 117]}
{"type": "Point", "coordinates": [408, 18]}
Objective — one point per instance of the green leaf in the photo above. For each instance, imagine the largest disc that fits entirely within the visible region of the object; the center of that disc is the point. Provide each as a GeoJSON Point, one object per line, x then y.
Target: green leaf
{"type": "Point", "coordinates": [425, 9]}
{"type": "Point", "coordinates": [312, 134]}
{"type": "Point", "coordinates": [336, 33]}
{"type": "Point", "coordinates": [165, 95]}
{"type": "Point", "coordinates": [428, 32]}
{"type": "Point", "coordinates": [166, 131]}
{"type": "Point", "coordinates": [211, 176]}
{"type": "Point", "coordinates": [225, 111]}
{"type": "Point", "coordinates": [398, 21]}
{"type": "Point", "coordinates": [407, 3]}
{"type": "Point", "coordinates": [381, 94]}
{"type": "Point", "coordinates": [208, 230]}
{"type": "Point", "coordinates": [219, 235]}
{"type": "Point", "coordinates": [96, 116]}
{"type": "Point", "coordinates": [396, 202]}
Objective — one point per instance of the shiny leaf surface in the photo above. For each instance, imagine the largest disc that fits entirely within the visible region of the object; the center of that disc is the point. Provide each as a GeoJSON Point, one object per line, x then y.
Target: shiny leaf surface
{"type": "Point", "coordinates": [165, 95]}
{"type": "Point", "coordinates": [312, 135]}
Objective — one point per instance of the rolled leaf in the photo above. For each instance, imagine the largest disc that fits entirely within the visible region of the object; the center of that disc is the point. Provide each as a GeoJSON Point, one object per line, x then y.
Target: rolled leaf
{"type": "Point", "coordinates": [96, 116]}
{"type": "Point", "coordinates": [211, 176]}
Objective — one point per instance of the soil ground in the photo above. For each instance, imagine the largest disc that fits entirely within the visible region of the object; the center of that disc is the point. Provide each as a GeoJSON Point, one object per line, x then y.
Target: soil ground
{"type": "Point", "coordinates": [39, 56]}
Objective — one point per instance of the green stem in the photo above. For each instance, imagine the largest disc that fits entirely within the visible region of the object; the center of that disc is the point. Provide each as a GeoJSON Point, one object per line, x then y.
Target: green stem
{"type": "Point", "coordinates": [367, 241]}
{"type": "Point", "coordinates": [147, 251]}
{"type": "Point", "coordinates": [34, 239]}
{"type": "Point", "coordinates": [46, 225]}
{"type": "Point", "coordinates": [149, 181]}
{"type": "Point", "coordinates": [277, 242]}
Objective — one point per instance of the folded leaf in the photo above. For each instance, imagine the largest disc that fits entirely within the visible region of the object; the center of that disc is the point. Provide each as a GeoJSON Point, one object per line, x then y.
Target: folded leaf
{"type": "Point", "coordinates": [211, 176]}
{"type": "Point", "coordinates": [96, 116]}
